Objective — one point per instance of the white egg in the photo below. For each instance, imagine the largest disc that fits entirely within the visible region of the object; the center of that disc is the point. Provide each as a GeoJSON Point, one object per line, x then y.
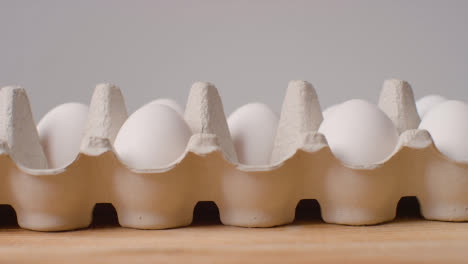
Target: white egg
{"type": "Point", "coordinates": [329, 111]}
{"type": "Point", "coordinates": [152, 137]}
{"type": "Point", "coordinates": [253, 129]}
{"type": "Point", "coordinates": [359, 133]}
{"type": "Point", "coordinates": [169, 102]}
{"type": "Point", "coordinates": [448, 125]}
{"type": "Point", "coordinates": [428, 102]}
{"type": "Point", "coordinates": [60, 132]}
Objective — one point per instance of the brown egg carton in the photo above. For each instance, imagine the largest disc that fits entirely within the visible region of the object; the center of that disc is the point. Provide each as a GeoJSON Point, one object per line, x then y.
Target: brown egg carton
{"type": "Point", "coordinates": [302, 167]}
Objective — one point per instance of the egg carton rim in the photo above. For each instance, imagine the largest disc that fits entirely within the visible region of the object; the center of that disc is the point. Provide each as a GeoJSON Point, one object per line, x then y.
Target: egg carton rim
{"type": "Point", "coordinates": [423, 142]}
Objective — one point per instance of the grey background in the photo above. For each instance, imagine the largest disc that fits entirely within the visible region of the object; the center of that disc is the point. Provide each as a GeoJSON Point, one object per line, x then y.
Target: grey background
{"type": "Point", "coordinates": [59, 50]}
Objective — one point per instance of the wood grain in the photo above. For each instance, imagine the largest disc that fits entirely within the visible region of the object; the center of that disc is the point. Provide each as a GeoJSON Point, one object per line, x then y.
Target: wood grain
{"type": "Point", "coordinates": [307, 240]}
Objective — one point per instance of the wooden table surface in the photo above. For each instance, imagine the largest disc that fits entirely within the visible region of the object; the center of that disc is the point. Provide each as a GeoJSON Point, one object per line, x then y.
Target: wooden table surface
{"type": "Point", "coordinates": [407, 239]}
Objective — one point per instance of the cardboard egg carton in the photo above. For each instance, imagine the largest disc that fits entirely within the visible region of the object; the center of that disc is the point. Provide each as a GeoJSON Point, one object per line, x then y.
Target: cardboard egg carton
{"type": "Point", "coordinates": [302, 167]}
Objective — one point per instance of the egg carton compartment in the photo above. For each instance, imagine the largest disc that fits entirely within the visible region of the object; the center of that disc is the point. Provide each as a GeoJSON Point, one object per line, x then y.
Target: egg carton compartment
{"type": "Point", "coordinates": [302, 167]}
